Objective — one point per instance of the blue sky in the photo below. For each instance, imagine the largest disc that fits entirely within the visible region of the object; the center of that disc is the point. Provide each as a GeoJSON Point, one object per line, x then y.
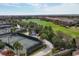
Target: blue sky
{"type": "Point", "coordinates": [38, 8]}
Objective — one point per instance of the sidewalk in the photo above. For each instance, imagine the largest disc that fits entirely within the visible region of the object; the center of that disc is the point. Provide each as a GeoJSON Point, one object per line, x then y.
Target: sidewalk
{"type": "Point", "coordinates": [46, 50]}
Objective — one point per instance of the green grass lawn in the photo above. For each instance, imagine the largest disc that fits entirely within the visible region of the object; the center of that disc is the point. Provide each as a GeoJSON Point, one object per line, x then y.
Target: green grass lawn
{"type": "Point", "coordinates": [68, 31]}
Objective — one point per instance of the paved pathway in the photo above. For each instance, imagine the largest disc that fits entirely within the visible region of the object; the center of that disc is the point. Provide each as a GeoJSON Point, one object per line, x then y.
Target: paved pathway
{"type": "Point", "coordinates": [46, 50]}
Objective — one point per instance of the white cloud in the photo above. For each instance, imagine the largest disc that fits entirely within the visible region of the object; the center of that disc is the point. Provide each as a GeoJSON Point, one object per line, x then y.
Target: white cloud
{"type": "Point", "coordinates": [35, 4]}
{"type": "Point", "coordinates": [65, 8]}
{"type": "Point", "coordinates": [62, 9]}
{"type": "Point", "coordinates": [39, 5]}
{"type": "Point", "coordinates": [10, 4]}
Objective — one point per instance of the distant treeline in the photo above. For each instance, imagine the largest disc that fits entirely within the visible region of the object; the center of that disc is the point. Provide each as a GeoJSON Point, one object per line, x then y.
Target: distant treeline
{"type": "Point", "coordinates": [66, 22]}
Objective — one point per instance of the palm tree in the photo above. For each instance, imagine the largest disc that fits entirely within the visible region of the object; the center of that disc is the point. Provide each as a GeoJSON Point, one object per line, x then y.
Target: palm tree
{"type": "Point", "coordinates": [17, 46]}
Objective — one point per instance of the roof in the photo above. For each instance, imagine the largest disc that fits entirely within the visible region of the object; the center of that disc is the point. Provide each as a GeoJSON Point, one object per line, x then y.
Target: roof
{"type": "Point", "coordinates": [7, 52]}
{"type": "Point", "coordinates": [5, 25]}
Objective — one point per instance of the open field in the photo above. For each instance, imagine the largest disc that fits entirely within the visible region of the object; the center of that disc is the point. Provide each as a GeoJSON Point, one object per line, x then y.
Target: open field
{"type": "Point", "coordinates": [69, 31]}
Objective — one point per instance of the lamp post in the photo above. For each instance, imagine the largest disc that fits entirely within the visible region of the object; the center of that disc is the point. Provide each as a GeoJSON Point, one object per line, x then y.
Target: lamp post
{"type": "Point", "coordinates": [26, 52]}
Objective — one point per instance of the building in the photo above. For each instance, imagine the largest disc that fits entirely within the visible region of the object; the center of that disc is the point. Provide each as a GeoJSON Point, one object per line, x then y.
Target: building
{"type": "Point", "coordinates": [30, 44]}
{"type": "Point", "coordinates": [5, 28]}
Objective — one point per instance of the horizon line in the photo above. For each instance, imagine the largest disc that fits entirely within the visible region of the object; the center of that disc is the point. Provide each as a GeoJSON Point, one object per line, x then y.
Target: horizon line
{"type": "Point", "coordinates": [40, 15]}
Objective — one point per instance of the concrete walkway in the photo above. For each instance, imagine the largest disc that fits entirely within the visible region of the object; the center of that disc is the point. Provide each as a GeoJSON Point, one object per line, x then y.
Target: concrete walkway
{"type": "Point", "coordinates": [45, 51]}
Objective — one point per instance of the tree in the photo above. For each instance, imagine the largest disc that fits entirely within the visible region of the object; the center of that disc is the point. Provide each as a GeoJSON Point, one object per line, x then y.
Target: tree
{"type": "Point", "coordinates": [43, 36]}
{"type": "Point", "coordinates": [74, 43]}
{"type": "Point", "coordinates": [2, 45]}
{"type": "Point", "coordinates": [58, 42]}
{"type": "Point", "coordinates": [65, 40]}
{"type": "Point", "coordinates": [18, 46]}
{"type": "Point", "coordinates": [38, 28]}
{"type": "Point", "coordinates": [47, 33]}
{"type": "Point", "coordinates": [13, 30]}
